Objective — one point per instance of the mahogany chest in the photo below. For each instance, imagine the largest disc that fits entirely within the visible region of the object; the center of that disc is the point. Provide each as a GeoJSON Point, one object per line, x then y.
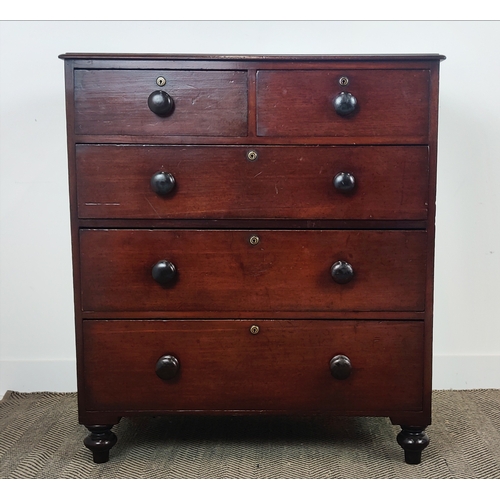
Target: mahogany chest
{"type": "Point", "coordinates": [253, 234]}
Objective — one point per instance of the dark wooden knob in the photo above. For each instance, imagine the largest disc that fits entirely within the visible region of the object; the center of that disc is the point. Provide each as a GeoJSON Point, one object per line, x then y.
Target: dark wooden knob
{"type": "Point", "coordinates": [167, 367]}
{"type": "Point", "coordinates": [344, 182]}
{"type": "Point", "coordinates": [162, 183]}
{"type": "Point", "coordinates": [340, 367]}
{"type": "Point", "coordinates": [160, 103]}
{"type": "Point", "coordinates": [164, 272]}
{"type": "Point", "coordinates": [342, 272]}
{"type": "Point", "coordinates": [345, 104]}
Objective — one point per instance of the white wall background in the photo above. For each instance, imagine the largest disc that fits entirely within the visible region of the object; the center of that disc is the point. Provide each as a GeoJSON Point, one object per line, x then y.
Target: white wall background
{"type": "Point", "coordinates": [36, 308]}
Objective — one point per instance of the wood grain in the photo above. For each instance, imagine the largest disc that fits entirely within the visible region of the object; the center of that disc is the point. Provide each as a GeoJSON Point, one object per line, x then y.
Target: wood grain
{"type": "Point", "coordinates": [299, 103]}
{"type": "Point", "coordinates": [212, 103]}
{"type": "Point", "coordinates": [284, 182]}
{"type": "Point", "coordinates": [224, 366]}
{"type": "Point", "coordinates": [222, 271]}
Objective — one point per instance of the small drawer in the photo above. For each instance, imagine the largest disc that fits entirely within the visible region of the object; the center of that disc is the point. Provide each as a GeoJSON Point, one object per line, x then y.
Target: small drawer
{"type": "Point", "coordinates": [217, 182]}
{"type": "Point", "coordinates": [363, 367]}
{"type": "Point", "coordinates": [233, 272]}
{"type": "Point", "coordinates": [372, 105]}
{"type": "Point", "coordinates": [130, 102]}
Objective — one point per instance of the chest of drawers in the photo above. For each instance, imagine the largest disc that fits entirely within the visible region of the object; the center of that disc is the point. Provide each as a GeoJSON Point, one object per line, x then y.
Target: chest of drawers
{"type": "Point", "coordinates": [253, 234]}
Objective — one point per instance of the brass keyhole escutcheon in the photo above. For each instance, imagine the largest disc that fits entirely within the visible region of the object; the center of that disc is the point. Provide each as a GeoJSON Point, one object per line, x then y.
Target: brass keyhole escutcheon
{"type": "Point", "coordinates": [343, 80]}
{"type": "Point", "coordinates": [160, 81]}
{"type": "Point", "coordinates": [254, 329]}
{"type": "Point", "coordinates": [252, 155]}
{"type": "Point", "coordinates": [254, 240]}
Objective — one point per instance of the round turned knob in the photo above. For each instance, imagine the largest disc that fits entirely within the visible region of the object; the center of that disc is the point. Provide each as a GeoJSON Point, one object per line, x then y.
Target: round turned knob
{"type": "Point", "coordinates": [345, 103]}
{"type": "Point", "coordinates": [344, 182]}
{"type": "Point", "coordinates": [342, 272]}
{"type": "Point", "coordinates": [164, 272]}
{"type": "Point", "coordinates": [162, 183]}
{"type": "Point", "coordinates": [160, 103]}
{"type": "Point", "coordinates": [340, 367]}
{"type": "Point", "coordinates": [167, 367]}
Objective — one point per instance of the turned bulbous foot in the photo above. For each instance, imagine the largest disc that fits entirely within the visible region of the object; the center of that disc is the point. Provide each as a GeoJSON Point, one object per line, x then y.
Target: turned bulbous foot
{"type": "Point", "coordinates": [100, 441]}
{"type": "Point", "coordinates": [413, 440]}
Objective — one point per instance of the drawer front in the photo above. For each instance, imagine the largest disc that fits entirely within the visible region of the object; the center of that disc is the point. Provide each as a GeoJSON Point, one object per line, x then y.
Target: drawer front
{"type": "Point", "coordinates": [206, 103]}
{"type": "Point", "coordinates": [390, 182]}
{"type": "Point", "coordinates": [222, 366]}
{"type": "Point", "coordinates": [223, 271]}
{"type": "Point", "coordinates": [390, 103]}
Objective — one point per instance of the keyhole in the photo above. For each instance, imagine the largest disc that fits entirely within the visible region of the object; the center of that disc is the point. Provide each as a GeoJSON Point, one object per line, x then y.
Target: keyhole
{"type": "Point", "coordinates": [252, 155]}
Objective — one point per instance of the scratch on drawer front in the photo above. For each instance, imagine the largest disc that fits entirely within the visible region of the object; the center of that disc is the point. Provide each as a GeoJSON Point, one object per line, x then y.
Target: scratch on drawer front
{"type": "Point", "coordinates": [154, 209]}
{"type": "Point", "coordinates": [99, 204]}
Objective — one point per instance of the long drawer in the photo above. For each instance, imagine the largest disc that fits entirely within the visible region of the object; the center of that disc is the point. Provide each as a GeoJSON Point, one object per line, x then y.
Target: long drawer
{"type": "Point", "coordinates": [388, 103]}
{"type": "Point", "coordinates": [221, 365]}
{"type": "Point", "coordinates": [235, 271]}
{"type": "Point", "coordinates": [198, 182]}
{"type": "Point", "coordinates": [205, 103]}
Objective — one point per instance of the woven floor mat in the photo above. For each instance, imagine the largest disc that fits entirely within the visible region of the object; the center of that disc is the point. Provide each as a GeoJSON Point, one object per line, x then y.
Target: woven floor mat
{"type": "Point", "coordinates": [40, 438]}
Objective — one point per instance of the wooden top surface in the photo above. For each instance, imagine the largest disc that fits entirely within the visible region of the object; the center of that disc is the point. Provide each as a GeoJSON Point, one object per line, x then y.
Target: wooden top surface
{"type": "Point", "coordinates": [268, 57]}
